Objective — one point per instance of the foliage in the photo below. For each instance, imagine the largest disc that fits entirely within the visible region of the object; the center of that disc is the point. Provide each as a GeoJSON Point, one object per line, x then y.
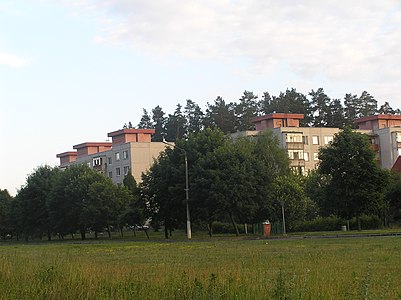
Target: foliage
{"type": "Point", "coordinates": [221, 115]}
{"type": "Point", "coordinates": [32, 211]}
{"type": "Point", "coordinates": [5, 213]}
{"type": "Point", "coordinates": [289, 195]}
{"type": "Point", "coordinates": [83, 199]}
{"type": "Point", "coordinates": [393, 196]}
{"type": "Point", "coordinates": [228, 179]}
{"type": "Point", "coordinates": [356, 182]}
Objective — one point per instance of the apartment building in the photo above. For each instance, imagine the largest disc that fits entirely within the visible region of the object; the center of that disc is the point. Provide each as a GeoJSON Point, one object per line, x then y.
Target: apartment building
{"type": "Point", "coordinates": [302, 143]}
{"type": "Point", "coordinates": [131, 150]}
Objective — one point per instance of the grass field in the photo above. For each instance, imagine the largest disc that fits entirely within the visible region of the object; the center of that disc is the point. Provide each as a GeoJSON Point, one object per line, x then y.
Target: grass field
{"type": "Point", "coordinates": [344, 268]}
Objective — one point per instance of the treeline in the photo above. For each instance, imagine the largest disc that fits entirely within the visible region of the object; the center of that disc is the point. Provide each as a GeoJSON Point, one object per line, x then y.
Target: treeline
{"type": "Point", "coordinates": [76, 200]}
{"type": "Point", "coordinates": [244, 180]}
{"type": "Point", "coordinates": [319, 109]}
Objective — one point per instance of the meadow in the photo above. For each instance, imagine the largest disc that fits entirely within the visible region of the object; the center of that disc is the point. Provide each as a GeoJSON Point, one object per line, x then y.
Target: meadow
{"type": "Point", "coordinates": [217, 268]}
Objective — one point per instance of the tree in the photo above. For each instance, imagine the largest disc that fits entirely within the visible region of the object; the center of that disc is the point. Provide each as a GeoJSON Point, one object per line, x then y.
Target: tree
{"type": "Point", "coordinates": [320, 107]}
{"type": "Point", "coordinates": [289, 102]}
{"type": "Point", "coordinates": [32, 201]}
{"type": "Point", "coordinates": [352, 108]}
{"type": "Point", "coordinates": [335, 116]}
{"type": "Point", "coordinates": [5, 214]}
{"type": "Point", "coordinates": [133, 212]}
{"type": "Point", "coordinates": [368, 105]}
{"type": "Point", "coordinates": [315, 187]}
{"type": "Point", "coordinates": [221, 115]}
{"type": "Point", "coordinates": [159, 123]}
{"type": "Point", "coordinates": [393, 198]}
{"type": "Point", "coordinates": [291, 202]}
{"type": "Point", "coordinates": [194, 117]}
{"type": "Point", "coordinates": [247, 108]}
{"type": "Point", "coordinates": [163, 192]}
{"type": "Point", "coordinates": [386, 109]}
{"type": "Point", "coordinates": [356, 182]}
{"type": "Point", "coordinates": [146, 121]}
{"type": "Point", "coordinates": [233, 178]}
{"type": "Point", "coordinates": [175, 125]}
{"type": "Point", "coordinates": [82, 199]}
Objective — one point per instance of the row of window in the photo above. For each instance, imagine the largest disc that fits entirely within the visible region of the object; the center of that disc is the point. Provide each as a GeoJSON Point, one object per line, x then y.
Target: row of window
{"type": "Point", "coordinates": [117, 156]}
{"type": "Point", "coordinates": [118, 172]}
{"type": "Point", "coordinates": [300, 154]}
{"type": "Point", "coordinates": [299, 138]}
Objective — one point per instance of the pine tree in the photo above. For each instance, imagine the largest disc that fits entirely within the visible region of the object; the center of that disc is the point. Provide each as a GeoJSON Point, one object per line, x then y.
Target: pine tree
{"type": "Point", "coordinates": [146, 121]}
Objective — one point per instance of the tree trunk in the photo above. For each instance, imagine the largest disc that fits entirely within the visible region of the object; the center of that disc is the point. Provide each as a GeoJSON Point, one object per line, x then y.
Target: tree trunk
{"type": "Point", "coordinates": [165, 229]}
{"type": "Point", "coordinates": [234, 224]}
{"type": "Point", "coordinates": [83, 234]}
{"type": "Point", "coordinates": [210, 228]}
{"type": "Point", "coordinates": [121, 232]}
{"type": "Point", "coordinates": [109, 231]}
{"type": "Point", "coordinates": [49, 235]}
{"type": "Point", "coordinates": [246, 228]}
{"type": "Point", "coordinates": [146, 232]}
{"type": "Point", "coordinates": [135, 231]}
{"type": "Point", "coordinates": [96, 234]}
{"type": "Point", "coordinates": [358, 220]}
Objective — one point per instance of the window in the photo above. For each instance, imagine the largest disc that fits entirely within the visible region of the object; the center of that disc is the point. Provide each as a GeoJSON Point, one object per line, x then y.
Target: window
{"type": "Point", "coordinates": [315, 156]}
{"type": "Point", "coordinates": [305, 139]}
{"type": "Point", "coordinates": [110, 160]}
{"type": "Point", "coordinates": [88, 164]}
{"type": "Point", "coordinates": [118, 172]}
{"type": "Point", "coordinates": [306, 156]}
{"type": "Point", "coordinates": [126, 169]}
{"type": "Point", "coordinates": [315, 140]}
{"type": "Point", "coordinates": [110, 174]}
{"type": "Point", "coordinates": [298, 170]}
{"type": "Point", "coordinates": [295, 154]}
{"type": "Point", "coordinates": [293, 138]}
{"type": "Point", "coordinates": [398, 137]}
{"type": "Point", "coordinates": [328, 139]}
{"type": "Point", "coordinates": [97, 161]}
{"type": "Point", "coordinates": [125, 154]}
{"type": "Point", "coordinates": [117, 156]}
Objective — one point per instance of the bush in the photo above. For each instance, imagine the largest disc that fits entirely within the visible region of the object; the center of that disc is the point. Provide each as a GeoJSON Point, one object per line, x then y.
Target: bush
{"type": "Point", "coordinates": [331, 223]}
{"type": "Point", "coordinates": [334, 223]}
{"type": "Point", "coordinates": [367, 222]}
{"type": "Point", "coordinates": [220, 227]}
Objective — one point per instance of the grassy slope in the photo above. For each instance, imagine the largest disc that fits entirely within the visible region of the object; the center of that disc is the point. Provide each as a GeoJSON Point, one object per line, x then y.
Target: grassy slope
{"type": "Point", "coordinates": [219, 269]}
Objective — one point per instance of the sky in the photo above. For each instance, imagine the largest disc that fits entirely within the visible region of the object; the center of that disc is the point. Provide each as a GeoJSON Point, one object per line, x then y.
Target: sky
{"type": "Point", "coordinates": [72, 71]}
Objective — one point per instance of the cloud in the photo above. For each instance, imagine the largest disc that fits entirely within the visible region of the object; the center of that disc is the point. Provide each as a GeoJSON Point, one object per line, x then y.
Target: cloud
{"type": "Point", "coordinates": [12, 60]}
{"type": "Point", "coordinates": [335, 39]}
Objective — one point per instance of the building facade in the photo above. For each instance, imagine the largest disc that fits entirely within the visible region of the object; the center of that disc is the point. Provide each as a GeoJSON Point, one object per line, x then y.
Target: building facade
{"type": "Point", "coordinates": [302, 143]}
{"type": "Point", "coordinates": [131, 150]}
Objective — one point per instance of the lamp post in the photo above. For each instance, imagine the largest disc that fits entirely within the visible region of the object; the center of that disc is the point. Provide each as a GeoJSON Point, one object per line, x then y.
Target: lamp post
{"type": "Point", "coordinates": [189, 232]}
{"type": "Point", "coordinates": [282, 212]}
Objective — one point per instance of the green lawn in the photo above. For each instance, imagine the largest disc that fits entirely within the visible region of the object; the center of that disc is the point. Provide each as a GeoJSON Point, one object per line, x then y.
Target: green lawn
{"type": "Point", "coordinates": [222, 268]}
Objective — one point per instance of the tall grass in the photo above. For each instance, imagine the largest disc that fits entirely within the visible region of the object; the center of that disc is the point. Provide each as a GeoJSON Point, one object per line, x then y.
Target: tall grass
{"type": "Point", "coordinates": [363, 268]}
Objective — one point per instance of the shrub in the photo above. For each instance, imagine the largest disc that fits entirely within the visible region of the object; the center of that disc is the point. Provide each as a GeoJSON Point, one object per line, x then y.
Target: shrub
{"type": "Point", "coordinates": [333, 223]}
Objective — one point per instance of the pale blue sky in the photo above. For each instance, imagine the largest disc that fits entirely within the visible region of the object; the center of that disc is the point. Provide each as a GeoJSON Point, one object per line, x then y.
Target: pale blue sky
{"type": "Point", "coordinates": [72, 71]}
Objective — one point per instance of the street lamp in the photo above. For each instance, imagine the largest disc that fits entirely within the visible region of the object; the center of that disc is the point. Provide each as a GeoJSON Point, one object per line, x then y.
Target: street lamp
{"type": "Point", "coordinates": [189, 232]}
